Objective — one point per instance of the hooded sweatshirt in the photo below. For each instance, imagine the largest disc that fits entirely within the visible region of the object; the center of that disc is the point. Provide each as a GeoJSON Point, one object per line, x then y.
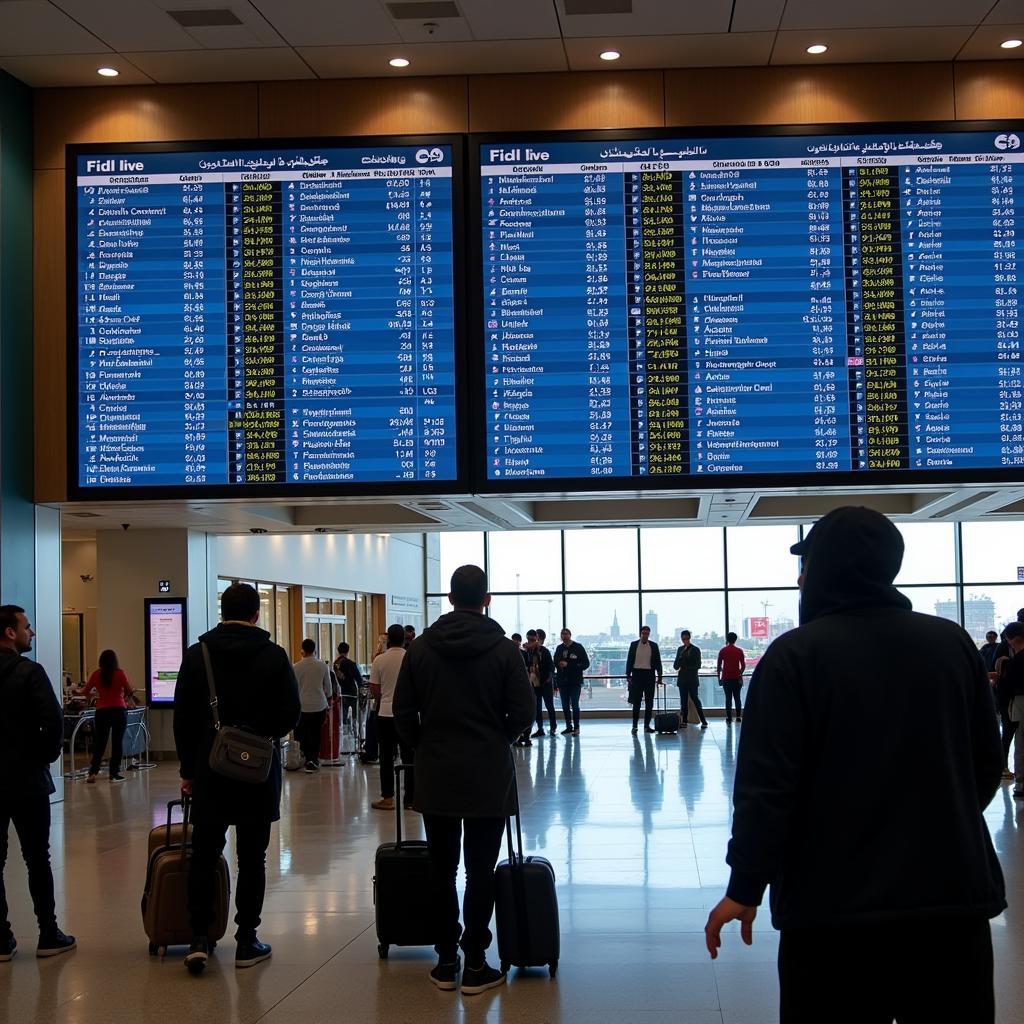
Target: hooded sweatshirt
{"type": "Point", "coordinates": [868, 753]}
{"type": "Point", "coordinates": [462, 696]}
{"type": "Point", "coordinates": [256, 690]}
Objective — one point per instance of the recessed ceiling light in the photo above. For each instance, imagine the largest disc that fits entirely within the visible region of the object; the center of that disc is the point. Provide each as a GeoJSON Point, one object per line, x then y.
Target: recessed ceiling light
{"type": "Point", "coordinates": [610, 55]}
{"type": "Point", "coordinates": [398, 62]}
{"type": "Point", "coordinates": [108, 72]}
{"type": "Point", "coordinates": [817, 48]}
{"type": "Point", "coordinates": [1011, 44]}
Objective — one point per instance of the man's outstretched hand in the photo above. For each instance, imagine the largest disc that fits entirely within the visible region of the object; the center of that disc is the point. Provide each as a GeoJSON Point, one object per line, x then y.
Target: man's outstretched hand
{"type": "Point", "coordinates": [726, 911]}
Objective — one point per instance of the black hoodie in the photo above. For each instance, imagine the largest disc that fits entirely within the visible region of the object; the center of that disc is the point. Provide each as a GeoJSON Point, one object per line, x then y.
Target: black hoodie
{"type": "Point", "coordinates": [868, 752]}
{"type": "Point", "coordinates": [256, 689]}
{"type": "Point", "coordinates": [462, 696]}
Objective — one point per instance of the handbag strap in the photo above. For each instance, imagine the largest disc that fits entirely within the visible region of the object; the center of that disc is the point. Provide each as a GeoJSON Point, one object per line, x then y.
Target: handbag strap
{"type": "Point", "coordinates": [212, 685]}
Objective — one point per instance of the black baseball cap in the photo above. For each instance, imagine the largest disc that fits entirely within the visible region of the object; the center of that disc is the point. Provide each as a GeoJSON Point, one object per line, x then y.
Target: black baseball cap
{"type": "Point", "coordinates": [871, 528]}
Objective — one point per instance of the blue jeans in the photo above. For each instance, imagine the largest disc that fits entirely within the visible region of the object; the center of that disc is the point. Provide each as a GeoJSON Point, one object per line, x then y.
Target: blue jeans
{"type": "Point", "coordinates": [571, 703]}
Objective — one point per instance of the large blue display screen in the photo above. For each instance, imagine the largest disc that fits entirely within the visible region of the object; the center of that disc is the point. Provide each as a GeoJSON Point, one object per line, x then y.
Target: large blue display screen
{"type": "Point", "coordinates": [271, 318]}
{"type": "Point", "coordinates": [780, 304]}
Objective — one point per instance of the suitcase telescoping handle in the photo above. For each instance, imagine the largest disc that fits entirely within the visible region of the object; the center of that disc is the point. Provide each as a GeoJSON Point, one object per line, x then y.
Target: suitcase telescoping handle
{"type": "Point", "coordinates": [517, 815]}
{"type": "Point", "coordinates": [399, 768]}
{"type": "Point", "coordinates": [185, 803]}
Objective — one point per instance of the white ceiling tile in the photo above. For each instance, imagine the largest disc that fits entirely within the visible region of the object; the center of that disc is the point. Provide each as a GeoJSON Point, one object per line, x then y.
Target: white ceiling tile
{"type": "Point", "coordinates": [472, 58]}
{"type": "Point", "coordinates": [840, 14]}
{"type": "Point", "coordinates": [235, 37]}
{"type": "Point", "coordinates": [129, 24]}
{"type": "Point", "coordinates": [445, 30]}
{"type": "Point", "coordinates": [756, 15]}
{"type": "Point", "coordinates": [872, 45]}
{"type": "Point", "coordinates": [71, 69]}
{"type": "Point", "coordinates": [37, 27]}
{"type": "Point", "coordinates": [1006, 12]}
{"type": "Point", "coordinates": [268, 63]}
{"type": "Point", "coordinates": [984, 44]}
{"type": "Point", "coordinates": [650, 18]}
{"type": "Point", "coordinates": [329, 22]}
{"type": "Point", "coordinates": [710, 50]}
{"type": "Point", "coordinates": [524, 19]}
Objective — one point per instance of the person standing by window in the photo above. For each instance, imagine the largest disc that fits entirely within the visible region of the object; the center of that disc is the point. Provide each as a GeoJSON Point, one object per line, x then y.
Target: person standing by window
{"type": "Point", "coordinates": [731, 665]}
{"type": "Point", "coordinates": [315, 695]}
{"type": "Point", "coordinates": [643, 673]}
{"type": "Point", "coordinates": [114, 693]}
{"type": "Point", "coordinates": [687, 664]}
{"type": "Point", "coordinates": [571, 661]}
{"type": "Point", "coordinates": [383, 677]}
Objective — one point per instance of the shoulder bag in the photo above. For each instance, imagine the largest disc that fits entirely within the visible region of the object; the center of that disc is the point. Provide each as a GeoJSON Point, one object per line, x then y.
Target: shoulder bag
{"type": "Point", "coordinates": [236, 753]}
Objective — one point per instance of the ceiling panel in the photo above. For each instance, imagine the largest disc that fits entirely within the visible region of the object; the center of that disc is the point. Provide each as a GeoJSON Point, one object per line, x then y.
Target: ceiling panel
{"type": "Point", "coordinates": [1006, 12]}
{"type": "Point", "coordinates": [445, 30]}
{"type": "Point", "coordinates": [329, 22]}
{"type": "Point", "coordinates": [473, 58]}
{"type": "Point", "coordinates": [857, 46]}
{"type": "Point", "coordinates": [37, 27]}
{"type": "Point", "coordinates": [756, 15]}
{"type": "Point", "coordinates": [269, 63]}
{"type": "Point", "coordinates": [712, 50]}
{"type": "Point", "coordinates": [882, 13]}
{"type": "Point", "coordinates": [71, 69]}
{"type": "Point", "coordinates": [524, 19]}
{"type": "Point", "coordinates": [650, 18]}
{"type": "Point", "coordinates": [129, 24]}
{"type": "Point", "coordinates": [984, 43]}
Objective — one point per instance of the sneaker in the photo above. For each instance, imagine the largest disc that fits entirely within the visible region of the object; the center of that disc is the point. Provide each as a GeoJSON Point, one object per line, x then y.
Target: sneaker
{"type": "Point", "coordinates": [554, 732]}
{"type": "Point", "coordinates": [565, 732]}
{"type": "Point", "coordinates": [739, 718]}
{"type": "Point", "coordinates": [309, 769]}
{"type": "Point", "coordinates": [633, 730]}
{"type": "Point", "coordinates": [445, 976]}
{"type": "Point", "coordinates": [703, 725]}
{"type": "Point", "coordinates": [385, 803]}
{"type": "Point", "coordinates": [647, 728]}
{"type": "Point", "coordinates": [575, 732]}
{"type": "Point", "coordinates": [197, 955]}
{"type": "Point", "coordinates": [248, 954]}
{"type": "Point", "coordinates": [480, 979]}
{"type": "Point", "coordinates": [54, 943]}
{"type": "Point", "coordinates": [539, 732]}
{"type": "Point", "coordinates": [8, 947]}
{"type": "Point", "coordinates": [117, 778]}
{"type": "Point", "coordinates": [91, 779]}
{"type": "Point", "coordinates": [728, 721]}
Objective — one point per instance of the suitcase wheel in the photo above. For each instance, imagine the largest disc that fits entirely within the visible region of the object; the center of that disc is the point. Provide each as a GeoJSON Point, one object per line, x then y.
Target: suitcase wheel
{"type": "Point", "coordinates": [382, 950]}
{"type": "Point", "coordinates": [552, 968]}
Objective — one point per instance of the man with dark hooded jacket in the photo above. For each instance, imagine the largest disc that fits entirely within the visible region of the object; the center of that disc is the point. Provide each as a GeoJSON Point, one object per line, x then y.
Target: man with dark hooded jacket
{"type": "Point", "coordinates": [462, 697]}
{"type": "Point", "coordinates": [257, 691]}
{"type": "Point", "coordinates": [869, 752]}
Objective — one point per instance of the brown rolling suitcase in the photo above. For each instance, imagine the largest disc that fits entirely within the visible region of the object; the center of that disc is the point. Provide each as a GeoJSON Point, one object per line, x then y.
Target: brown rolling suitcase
{"type": "Point", "coordinates": [165, 898]}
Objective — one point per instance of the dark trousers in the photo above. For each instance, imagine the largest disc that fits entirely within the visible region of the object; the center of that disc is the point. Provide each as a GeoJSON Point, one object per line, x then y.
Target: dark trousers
{"type": "Point", "coordinates": [571, 702]}
{"type": "Point", "coordinates": [927, 971]}
{"type": "Point", "coordinates": [691, 690]}
{"type": "Point", "coordinates": [31, 818]}
{"type": "Point", "coordinates": [310, 726]}
{"type": "Point", "coordinates": [732, 689]}
{"type": "Point", "coordinates": [546, 698]}
{"type": "Point", "coordinates": [481, 845]}
{"type": "Point", "coordinates": [1008, 729]}
{"type": "Point", "coordinates": [251, 842]}
{"type": "Point", "coordinates": [109, 722]}
{"type": "Point", "coordinates": [390, 746]}
{"type": "Point", "coordinates": [641, 686]}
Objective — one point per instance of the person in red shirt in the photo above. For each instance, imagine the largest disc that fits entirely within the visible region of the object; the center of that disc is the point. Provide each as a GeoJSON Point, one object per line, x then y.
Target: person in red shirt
{"type": "Point", "coordinates": [730, 676]}
{"type": "Point", "coordinates": [113, 693]}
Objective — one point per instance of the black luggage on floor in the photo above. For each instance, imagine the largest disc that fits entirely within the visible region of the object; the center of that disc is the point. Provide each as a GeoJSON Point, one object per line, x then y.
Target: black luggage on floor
{"type": "Point", "coordinates": [665, 721]}
{"type": "Point", "coordinates": [402, 895]}
{"type": "Point", "coordinates": [526, 907]}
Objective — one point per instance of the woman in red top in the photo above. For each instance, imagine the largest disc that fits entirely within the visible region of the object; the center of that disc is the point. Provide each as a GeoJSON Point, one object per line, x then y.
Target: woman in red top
{"type": "Point", "coordinates": [114, 690]}
{"type": "Point", "coordinates": [731, 665]}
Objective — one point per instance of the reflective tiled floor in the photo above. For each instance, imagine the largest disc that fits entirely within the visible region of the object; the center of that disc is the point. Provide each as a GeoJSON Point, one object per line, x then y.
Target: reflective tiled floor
{"type": "Point", "coordinates": [635, 827]}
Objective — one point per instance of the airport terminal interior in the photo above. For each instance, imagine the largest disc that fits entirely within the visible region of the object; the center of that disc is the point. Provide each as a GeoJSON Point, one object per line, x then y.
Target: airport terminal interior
{"type": "Point", "coordinates": [612, 298]}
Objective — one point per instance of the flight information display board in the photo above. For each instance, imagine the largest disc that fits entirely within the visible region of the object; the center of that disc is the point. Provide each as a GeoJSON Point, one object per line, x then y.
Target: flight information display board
{"type": "Point", "coordinates": [277, 317]}
{"type": "Point", "coordinates": [755, 306]}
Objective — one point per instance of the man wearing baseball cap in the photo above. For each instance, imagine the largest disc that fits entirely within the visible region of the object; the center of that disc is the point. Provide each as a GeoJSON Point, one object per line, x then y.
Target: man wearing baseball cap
{"type": "Point", "coordinates": [869, 753]}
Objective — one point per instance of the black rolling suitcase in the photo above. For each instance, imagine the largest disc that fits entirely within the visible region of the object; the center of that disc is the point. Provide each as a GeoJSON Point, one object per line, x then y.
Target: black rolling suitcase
{"type": "Point", "coordinates": [526, 907]}
{"type": "Point", "coordinates": [401, 887]}
{"type": "Point", "coordinates": [665, 722]}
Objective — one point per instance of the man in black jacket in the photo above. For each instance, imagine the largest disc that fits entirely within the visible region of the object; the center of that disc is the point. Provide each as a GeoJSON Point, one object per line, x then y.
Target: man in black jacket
{"type": "Point", "coordinates": [31, 738]}
{"type": "Point", "coordinates": [462, 697]}
{"type": "Point", "coordinates": [882, 884]}
{"type": "Point", "coordinates": [541, 670]}
{"type": "Point", "coordinates": [687, 664]}
{"type": "Point", "coordinates": [257, 691]}
{"type": "Point", "coordinates": [571, 661]}
{"type": "Point", "coordinates": [643, 674]}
